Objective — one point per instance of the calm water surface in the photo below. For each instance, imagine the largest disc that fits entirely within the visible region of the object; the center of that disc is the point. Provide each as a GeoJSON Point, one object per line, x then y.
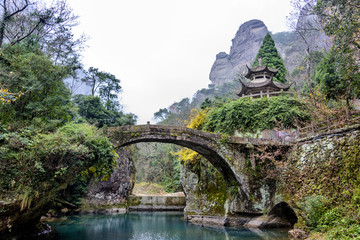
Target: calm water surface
{"type": "Point", "coordinates": [151, 226]}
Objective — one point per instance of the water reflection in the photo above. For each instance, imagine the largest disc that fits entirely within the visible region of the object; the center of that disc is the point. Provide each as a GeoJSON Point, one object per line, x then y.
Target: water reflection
{"type": "Point", "coordinates": [151, 226]}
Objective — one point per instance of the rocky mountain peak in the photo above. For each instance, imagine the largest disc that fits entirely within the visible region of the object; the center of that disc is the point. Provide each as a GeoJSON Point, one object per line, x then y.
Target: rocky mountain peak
{"type": "Point", "coordinates": [245, 45]}
{"type": "Point", "coordinates": [250, 34]}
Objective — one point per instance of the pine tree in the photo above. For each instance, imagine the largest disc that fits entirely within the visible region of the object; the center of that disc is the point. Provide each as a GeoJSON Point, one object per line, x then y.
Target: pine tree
{"type": "Point", "coordinates": [271, 58]}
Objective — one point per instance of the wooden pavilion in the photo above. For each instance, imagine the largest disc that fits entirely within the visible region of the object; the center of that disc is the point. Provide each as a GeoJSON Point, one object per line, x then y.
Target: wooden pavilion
{"type": "Point", "coordinates": [261, 83]}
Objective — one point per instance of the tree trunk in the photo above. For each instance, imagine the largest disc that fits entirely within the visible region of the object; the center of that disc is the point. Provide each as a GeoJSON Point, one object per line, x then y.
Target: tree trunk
{"type": "Point", "coordinates": [2, 26]}
{"type": "Point", "coordinates": [308, 68]}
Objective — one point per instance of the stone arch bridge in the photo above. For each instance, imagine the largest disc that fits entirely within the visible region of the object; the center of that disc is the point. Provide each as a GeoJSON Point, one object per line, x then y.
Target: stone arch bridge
{"type": "Point", "coordinates": [231, 156]}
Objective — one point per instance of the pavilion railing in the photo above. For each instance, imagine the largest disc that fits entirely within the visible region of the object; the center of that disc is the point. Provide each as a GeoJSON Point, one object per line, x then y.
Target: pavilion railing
{"type": "Point", "coordinates": [268, 94]}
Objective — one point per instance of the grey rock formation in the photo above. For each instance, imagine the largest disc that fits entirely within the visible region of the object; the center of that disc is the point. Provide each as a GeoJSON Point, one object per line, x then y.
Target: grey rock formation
{"type": "Point", "coordinates": [248, 40]}
{"type": "Point", "coordinates": [222, 69]}
{"type": "Point", "coordinates": [245, 46]}
{"type": "Point", "coordinates": [209, 201]}
{"type": "Point", "coordinates": [120, 185]}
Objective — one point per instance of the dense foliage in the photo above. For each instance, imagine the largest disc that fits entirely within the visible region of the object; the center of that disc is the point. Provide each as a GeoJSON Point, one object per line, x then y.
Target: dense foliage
{"type": "Point", "coordinates": [250, 115]}
{"type": "Point", "coordinates": [328, 78]}
{"type": "Point", "coordinates": [37, 165]}
{"type": "Point", "coordinates": [335, 79]}
{"type": "Point", "coordinates": [44, 96]}
{"type": "Point", "coordinates": [156, 163]}
{"type": "Point", "coordinates": [43, 110]}
{"type": "Point", "coordinates": [271, 58]}
{"type": "Point", "coordinates": [46, 143]}
{"type": "Point", "coordinates": [93, 110]}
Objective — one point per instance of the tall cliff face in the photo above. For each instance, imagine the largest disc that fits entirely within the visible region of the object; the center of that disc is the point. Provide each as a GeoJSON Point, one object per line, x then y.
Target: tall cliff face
{"type": "Point", "coordinates": [116, 190]}
{"type": "Point", "coordinates": [244, 48]}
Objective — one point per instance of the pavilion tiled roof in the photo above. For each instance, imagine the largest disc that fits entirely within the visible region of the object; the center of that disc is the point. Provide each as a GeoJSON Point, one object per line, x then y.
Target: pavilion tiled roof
{"type": "Point", "coordinates": [260, 69]}
{"type": "Point", "coordinates": [267, 83]}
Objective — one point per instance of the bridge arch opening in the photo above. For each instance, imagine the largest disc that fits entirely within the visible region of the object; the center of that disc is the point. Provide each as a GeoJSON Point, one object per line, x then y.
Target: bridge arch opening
{"type": "Point", "coordinates": [155, 164]}
{"type": "Point", "coordinates": [206, 144]}
{"type": "Point", "coordinates": [229, 158]}
{"type": "Point", "coordinates": [202, 186]}
{"type": "Point", "coordinates": [211, 155]}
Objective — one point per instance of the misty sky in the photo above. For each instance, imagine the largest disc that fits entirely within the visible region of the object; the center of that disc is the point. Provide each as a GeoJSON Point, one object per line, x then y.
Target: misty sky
{"type": "Point", "coordinates": [163, 50]}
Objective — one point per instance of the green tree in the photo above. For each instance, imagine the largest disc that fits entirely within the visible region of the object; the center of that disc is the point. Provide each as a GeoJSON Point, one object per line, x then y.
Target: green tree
{"type": "Point", "coordinates": [102, 107]}
{"type": "Point", "coordinates": [21, 20]}
{"type": "Point", "coordinates": [271, 58]}
{"type": "Point", "coordinates": [327, 77]}
{"type": "Point", "coordinates": [93, 110]}
{"type": "Point", "coordinates": [342, 21]}
{"type": "Point", "coordinates": [162, 114]}
{"type": "Point", "coordinates": [207, 103]}
{"type": "Point", "coordinates": [106, 85]}
{"type": "Point", "coordinates": [36, 168]}
{"type": "Point", "coordinates": [108, 91]}
{"type": "Point", "coordinates": [33, 73]}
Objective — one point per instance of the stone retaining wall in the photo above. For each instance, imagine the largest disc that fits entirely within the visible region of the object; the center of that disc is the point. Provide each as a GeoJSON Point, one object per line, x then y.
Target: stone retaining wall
{"type": "Point", "coordinates": [156, 203]}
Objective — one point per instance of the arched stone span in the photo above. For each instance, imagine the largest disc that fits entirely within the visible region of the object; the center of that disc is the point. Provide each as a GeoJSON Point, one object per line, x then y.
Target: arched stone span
{"type": "Point", "coordinates": [213, 147]}
{"type": "Point", "coordinates": [204, 143]}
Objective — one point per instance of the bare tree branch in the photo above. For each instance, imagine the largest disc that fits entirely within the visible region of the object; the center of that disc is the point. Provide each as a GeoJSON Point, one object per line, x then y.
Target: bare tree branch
{"type": "Point", "coordinates": [18, 9]}
{"type": "Point", "coordinates": [26, 35]}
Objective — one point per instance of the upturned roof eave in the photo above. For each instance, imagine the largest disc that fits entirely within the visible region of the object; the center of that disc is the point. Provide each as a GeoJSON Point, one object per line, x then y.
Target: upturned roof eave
{"type": "Point", "coordinates": [244, 86]}
{"type": "Point", "coordinates": [252, 71]}
{"type": "Point", "coordinates": [268, 83]}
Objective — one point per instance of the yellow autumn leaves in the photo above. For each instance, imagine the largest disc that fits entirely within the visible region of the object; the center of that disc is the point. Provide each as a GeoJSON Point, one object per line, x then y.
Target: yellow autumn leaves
{"type": "Point", "coordinates": [197, 119]}
{"type": "Point", "coordinates": [7, 97]}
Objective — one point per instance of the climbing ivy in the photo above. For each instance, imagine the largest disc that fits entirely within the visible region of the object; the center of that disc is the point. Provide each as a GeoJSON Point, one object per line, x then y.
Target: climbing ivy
{"type": "Point", "coordinates": [250, 115]}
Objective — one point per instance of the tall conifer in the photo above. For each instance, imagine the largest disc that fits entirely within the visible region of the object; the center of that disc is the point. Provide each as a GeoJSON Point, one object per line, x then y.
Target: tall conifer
{"type": "Point", "coordinates": [271, 58]}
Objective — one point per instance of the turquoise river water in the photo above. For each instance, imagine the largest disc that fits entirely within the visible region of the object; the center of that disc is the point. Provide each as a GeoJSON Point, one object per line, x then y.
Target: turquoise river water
{"type": "Point", "coordinates": [151, 226]}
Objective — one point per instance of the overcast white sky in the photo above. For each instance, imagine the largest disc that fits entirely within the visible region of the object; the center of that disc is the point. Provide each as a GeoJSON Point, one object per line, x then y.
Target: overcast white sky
{"type": "Point", "coordinates": [163, 50]}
